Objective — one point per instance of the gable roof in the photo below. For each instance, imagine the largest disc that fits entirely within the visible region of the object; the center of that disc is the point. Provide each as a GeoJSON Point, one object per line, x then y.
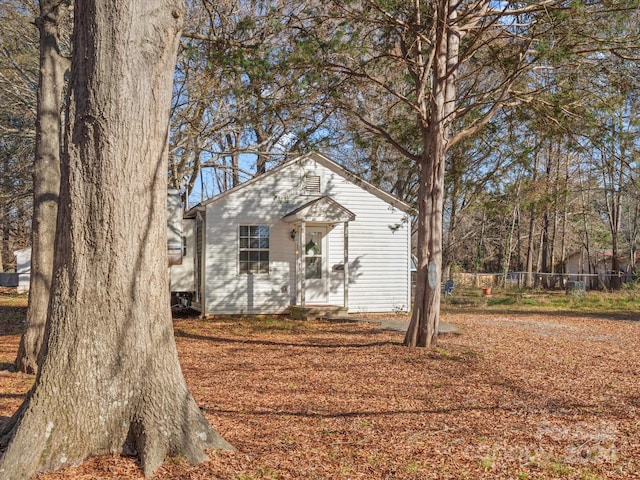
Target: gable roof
{"type": "Point", "coordinates": [323, 209]}
{"type": "Point", "coordinates": [325, 162]}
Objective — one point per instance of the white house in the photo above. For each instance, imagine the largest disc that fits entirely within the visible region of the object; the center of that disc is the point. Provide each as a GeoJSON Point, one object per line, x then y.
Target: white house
{"type": "Point", "coordinates": [306, 233]}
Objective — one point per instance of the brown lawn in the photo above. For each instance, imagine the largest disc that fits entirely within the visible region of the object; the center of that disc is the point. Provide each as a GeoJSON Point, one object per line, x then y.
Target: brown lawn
{"type": "Point", "coordinates": [512, 396]}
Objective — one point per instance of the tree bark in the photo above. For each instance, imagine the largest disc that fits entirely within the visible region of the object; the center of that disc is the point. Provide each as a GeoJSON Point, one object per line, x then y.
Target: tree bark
{"type": "Point", "coordinates": [425, 319]}
{"type": "Point", "coordinates": [46, 180]}
{"type": "Point", "coordinates": [110, 380]}
{"type": "Point", "coordinates": [423, 328]}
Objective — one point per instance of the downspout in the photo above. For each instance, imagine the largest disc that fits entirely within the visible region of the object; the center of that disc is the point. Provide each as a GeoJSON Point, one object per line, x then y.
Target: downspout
{"type": "Point", "coordinates": [202, 266]}
{"type": "Point", "coordinates": [303, 275]}
{"type": "Point", "coordinates": [409, 277]}
{"type": "Point", "coordinates": [346, 266]}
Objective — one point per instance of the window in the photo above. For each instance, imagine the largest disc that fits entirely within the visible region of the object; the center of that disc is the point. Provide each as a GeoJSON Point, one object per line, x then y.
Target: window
{"type": "Point", "coordinates": [254, 249]}
{"type": "Point", "coordinates": [184, 247]}
{"type": "Point", "coordinates": [313, 255]}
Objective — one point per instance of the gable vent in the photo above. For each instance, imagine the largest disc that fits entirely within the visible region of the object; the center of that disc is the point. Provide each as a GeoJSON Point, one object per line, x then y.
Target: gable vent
{"type": "Point", "coordinates": [312, 185]}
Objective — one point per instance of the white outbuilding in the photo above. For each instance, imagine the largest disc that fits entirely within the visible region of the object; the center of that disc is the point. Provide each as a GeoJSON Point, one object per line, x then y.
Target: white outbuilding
{"type": "Point", "coordinates": [23, 269]}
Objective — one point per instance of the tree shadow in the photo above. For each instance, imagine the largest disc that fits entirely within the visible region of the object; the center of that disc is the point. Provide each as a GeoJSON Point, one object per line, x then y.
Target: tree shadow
{"type": "Point", "coordinates": [179, 333]}
{"type": "Point", "coordinates": [12, 320]}
{"type": "Point", "coordinates": [456, 409]}
{"type": "Point", "coordinates": [10, 395]}
{"type": "Point", "coordinates": [331, 325]}
{"type": "Point", "coordinates": [7, 367]}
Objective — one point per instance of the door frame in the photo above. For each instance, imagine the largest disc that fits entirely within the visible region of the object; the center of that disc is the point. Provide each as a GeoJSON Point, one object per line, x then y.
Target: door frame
{"type": "Point", "coordinates": [317, 286]}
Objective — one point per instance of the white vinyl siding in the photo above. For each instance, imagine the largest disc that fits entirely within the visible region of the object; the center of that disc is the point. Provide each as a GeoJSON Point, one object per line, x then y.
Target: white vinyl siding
{"type": "Point", "coordinates": [182, 276]}
{"type": "Point", "coordinates": [379, 245]}
{"type": "Point", "coordinates": [229, 291]}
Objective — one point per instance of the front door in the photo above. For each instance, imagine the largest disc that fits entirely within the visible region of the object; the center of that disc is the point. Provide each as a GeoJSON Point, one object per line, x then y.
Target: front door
{"type": "Point", "coordinates": [315, 258]}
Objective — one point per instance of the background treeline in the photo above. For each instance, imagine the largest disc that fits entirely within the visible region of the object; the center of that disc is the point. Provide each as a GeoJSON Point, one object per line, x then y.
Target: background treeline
{"type": "Point", "coordinates": [548, 165]}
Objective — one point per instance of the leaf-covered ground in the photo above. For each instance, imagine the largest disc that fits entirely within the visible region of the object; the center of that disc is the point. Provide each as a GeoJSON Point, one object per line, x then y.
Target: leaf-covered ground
{"type": "Point", "coordinates": [510, 396]}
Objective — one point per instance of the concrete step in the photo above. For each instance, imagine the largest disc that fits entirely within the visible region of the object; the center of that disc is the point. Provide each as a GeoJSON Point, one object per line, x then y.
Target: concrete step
{"type": "Point", "coordinates": [316, 311]}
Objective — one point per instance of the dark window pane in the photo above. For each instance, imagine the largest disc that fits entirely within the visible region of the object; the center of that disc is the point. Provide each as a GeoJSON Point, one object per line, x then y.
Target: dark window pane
{"type": "Point", "coordinates": [253, 249]}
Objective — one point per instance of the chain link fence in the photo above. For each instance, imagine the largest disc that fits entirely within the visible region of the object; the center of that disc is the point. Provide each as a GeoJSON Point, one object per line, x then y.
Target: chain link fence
{"type": "Point", "coordinates": [544, 281]}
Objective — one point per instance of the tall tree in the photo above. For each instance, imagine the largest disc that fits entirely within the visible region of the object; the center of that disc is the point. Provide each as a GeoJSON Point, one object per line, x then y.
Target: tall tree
{"type": "Point", "coordinates": [398, 59]}
{"type": "Point", "coordinates": [110, 380]}
{"type": "Point", "coordinates": [52, 23]}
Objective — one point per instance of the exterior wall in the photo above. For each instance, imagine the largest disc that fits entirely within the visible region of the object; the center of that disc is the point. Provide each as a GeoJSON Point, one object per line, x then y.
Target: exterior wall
{"type": "Point", "coordinates": [378, 245]}
{"type": "Point", "coordinates": [577, 263]}
{"type": "Point", "coordinates": [174, 227]}
{"type": "Point", "coordinates": [182, 276]}
{"type": "Point", "coordinates": [228, 291]}
{"type": "Point", "coordinates": [23, 269]}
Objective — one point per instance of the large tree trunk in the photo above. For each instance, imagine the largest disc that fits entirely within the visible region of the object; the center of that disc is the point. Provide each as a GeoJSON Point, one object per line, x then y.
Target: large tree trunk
{"type": "Point", "coordinates": [46, 180]}
{"type": "Point", "coordinates": [423, 328]}
{"type": "Point", "coordinates": [110, 380]}
{"type": "Point", "coordinates": [425, 319]}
